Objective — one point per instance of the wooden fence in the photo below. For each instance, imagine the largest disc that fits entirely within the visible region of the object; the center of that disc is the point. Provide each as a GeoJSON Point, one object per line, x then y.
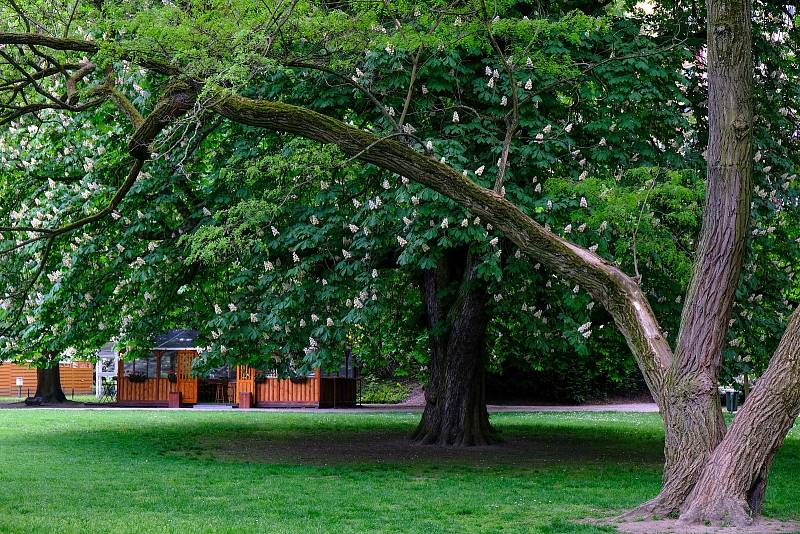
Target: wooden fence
{"type": "Point", "coordinates": [77, 377]}
{"type": "Point", "coordinates": [284, 392]}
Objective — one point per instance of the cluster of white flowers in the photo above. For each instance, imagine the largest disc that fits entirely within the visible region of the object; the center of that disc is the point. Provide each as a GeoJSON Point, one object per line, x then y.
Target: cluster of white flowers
{"type": "Point", "coordinates": [585, 329]}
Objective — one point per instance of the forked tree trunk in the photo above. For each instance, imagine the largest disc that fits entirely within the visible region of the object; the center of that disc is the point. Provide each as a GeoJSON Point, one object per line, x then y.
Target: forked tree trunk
{"type": "Point", "coordinates": [48, 384]}
{"type": "Point", "coordinates": [732, 485]}
{"type": "Point", "coordinates": [693, 422]}
{"type": "Point", "coordinates": [455, 403]}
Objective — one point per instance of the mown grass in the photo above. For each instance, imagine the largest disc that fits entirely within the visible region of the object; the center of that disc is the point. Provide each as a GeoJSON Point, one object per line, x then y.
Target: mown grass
{"type": "Point", "coordinates": [169, 471]}
{"type": "Point", "coordinates": [74, 398]}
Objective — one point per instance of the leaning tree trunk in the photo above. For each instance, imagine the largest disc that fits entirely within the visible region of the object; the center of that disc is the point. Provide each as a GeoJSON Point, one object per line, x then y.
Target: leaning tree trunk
{"type": "Point", "coordinates": [693, 422]}
{"type": "Point", "coordinates": [48, 384]}
{"type": "Point", "coordinates": [732, 485]}
{"type": "Point", "coordinates": [455, 403]}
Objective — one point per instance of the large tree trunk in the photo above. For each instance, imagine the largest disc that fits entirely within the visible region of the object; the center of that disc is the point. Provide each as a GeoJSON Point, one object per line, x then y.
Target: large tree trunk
{"type": "Point", "coordinates": [48, 384]}
{"type": "Point", "coordinates": [732, 485]}
{"type": "Point", "coordinates": [693, 422]}
{"type": "Point", "coordinates": [455, 403]}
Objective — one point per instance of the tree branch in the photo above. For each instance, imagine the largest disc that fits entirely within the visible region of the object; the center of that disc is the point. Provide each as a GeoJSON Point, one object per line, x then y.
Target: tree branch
{"type": "Point", "coordinates": [616, 291]}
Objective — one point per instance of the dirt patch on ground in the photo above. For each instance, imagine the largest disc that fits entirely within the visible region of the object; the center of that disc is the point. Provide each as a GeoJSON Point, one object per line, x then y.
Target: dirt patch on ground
{"type": "Point", "coordinates": [385, 447]}
{"type": "Point", "coordinates": [673, 526]}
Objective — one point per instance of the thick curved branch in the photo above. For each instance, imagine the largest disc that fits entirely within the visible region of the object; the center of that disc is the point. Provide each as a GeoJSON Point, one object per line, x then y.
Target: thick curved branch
{"type": "Point", "coordinates": [616, 291]}
{"type": "Point", "coordinates": [90, 47]}
{"type": "Point", "coordinates": [53, 43]}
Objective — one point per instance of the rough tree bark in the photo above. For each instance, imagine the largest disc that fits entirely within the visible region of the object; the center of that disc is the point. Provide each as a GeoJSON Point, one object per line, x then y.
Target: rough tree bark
{"type": "Point", "coordinates": [693, 423]}
{"type": "Point", "coordinates": [48, 382]}
{"type": "Point", "coordinates": [732, 485]}
{"type": "Point", "coordinates": [455, 403]}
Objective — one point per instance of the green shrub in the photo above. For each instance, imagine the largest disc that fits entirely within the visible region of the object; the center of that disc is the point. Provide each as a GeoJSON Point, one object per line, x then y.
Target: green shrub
{"type": "Point", "coordinates": [377, 391]}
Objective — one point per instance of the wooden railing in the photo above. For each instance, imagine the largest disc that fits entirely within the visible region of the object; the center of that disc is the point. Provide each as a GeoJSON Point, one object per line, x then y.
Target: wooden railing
{"type": "Point", "coordinates": [151, 391]}
{"type": "Point", "coordinates": [282, 391]}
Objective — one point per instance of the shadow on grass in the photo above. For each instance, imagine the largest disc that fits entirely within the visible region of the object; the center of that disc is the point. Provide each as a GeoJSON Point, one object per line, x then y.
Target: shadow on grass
{"type": "Point", "coordinates": [236, 472]}
{"type": "Point", "coordinates": [326, 440]}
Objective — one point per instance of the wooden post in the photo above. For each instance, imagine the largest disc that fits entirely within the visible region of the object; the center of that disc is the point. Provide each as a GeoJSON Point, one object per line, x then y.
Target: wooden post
{"type": "Point", "coordinates": [245, 400]}
{"type": "Point", "coordinates": [174, 399]}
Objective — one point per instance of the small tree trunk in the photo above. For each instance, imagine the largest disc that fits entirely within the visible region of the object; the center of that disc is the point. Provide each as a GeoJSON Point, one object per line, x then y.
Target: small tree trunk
{"type": "Point", "coordinates": [455, 402]}
{"type": "Point", "coordinates": [48, 384]}
{"type": "Point", "coordinates": [732, 485]}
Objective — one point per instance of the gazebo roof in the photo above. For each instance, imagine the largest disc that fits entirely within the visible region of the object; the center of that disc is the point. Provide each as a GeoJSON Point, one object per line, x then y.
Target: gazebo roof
{"type": "Point", "coordinates": [176, 339]}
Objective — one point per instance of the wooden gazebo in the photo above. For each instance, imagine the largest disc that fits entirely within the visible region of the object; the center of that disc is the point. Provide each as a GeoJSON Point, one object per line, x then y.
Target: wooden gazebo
{"type": "Point", "coordinates": [165, 374]}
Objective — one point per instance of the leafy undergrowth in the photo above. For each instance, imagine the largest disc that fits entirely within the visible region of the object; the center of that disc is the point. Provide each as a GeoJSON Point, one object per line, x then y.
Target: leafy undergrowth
{"type": "Point", "coordinates": [169, 471]}
{"type": "Point", "coordinates": [377, 391]}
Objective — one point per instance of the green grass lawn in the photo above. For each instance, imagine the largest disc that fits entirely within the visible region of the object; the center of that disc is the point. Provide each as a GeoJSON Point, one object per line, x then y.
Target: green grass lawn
{"type": "Point", "coordinates": [75, 398]}
{"type": "Point", "coordinates": [190, 471]}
